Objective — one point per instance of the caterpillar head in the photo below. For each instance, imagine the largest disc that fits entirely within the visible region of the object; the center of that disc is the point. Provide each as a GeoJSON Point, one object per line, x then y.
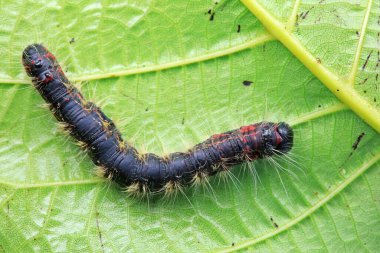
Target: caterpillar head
{"type": "Point", "coordinates": [39, 63]}
{"type": "Point", "coordinates": [277, 138]}
{"type": "Point", "coordinates": [33, 59]}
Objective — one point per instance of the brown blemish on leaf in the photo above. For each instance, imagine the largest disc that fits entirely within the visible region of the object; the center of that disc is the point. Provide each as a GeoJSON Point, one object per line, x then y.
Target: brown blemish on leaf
{"type": "Point", "coordinates": [356, 143]}
{"type": "Point", "coordinates": [99, 232]}
{"type": "Point", "coordinates": [247, 83]}
{"type": "Point", "coordinates": [364, 81]}
{"type": "Point", "coordinates": [366, 61]}
{"type": "Point", "coordinates": [273, 222]}
{"type": "Point", "coordinates": [304, 15]}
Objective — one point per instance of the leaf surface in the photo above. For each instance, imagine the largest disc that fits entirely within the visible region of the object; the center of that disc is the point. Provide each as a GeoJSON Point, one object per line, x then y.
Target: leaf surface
{"type": "Point", "coordinates": [171, 73]}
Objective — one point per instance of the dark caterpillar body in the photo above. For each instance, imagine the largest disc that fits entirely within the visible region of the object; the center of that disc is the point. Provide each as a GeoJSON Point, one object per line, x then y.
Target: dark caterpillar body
{"type": "Point", "coordinates": [120, 162]}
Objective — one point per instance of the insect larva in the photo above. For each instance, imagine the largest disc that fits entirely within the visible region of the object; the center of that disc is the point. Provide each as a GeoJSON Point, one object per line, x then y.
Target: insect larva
{"type": "Point", "coordinates": [144, 173]}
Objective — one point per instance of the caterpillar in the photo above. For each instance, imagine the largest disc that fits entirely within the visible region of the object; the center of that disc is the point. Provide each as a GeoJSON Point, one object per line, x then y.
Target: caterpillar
{"type": "Point", "coordinates": [142, 174]}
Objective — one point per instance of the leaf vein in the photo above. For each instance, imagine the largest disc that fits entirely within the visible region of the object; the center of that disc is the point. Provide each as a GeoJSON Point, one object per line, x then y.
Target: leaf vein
{"type": "Point", "coordinates": [359, 48]}
{"type": "Point", "coordinates": [297, 219]}
{"type": "Point", "coordinates": [155, 68]}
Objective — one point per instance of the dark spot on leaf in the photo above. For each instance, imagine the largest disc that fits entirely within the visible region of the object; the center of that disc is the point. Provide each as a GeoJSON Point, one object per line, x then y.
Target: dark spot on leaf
{"type": "Point", "coordinates": [99, 232]}
{"type": "Point", "coordinates": [356, 143]}
{"type": "Point", "coordinates": [366, 61]}
{"type": "Point", "coordinates": [358, 140]}
{"type": "Point", "coordinates": [238, 28]}
{"type": "Point", "coordinates": [183, 120]}
{"type": "Point", "coordinates": [211, 12]}
{"type": "Point", "coordinates": [146, 109]}
{"type": "Point", "coordinates": [247, 83]}
{"type": "Point", "coordinates": [297, 24]}
{"type": "Point", "coordinates": [273, 222]}
{"type": "Point", "coordinates": [319, 60]}
{"type": "Point", "coordinates": [232, 244]}
{"type": "Point", "coordinates": [212, 16]}
{"type": "Point", "coordinates": [304, 15]}
{"type": "Point", "coordinates": [337, 89]}
{"type": "Point", "coordinates": [72, 40]}
{"type": "Point", "coordinates": [319, 106]}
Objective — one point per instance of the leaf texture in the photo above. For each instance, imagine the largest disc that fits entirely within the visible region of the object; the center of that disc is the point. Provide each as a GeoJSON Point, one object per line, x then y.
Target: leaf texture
{"type": "Point", "coordinates": [172, 73]}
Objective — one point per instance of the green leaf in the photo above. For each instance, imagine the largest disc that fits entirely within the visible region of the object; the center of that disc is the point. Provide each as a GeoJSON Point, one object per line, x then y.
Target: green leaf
{"type": "Point", "coordinates": [170, 76]}
{"type": "Point", "coordinates": [328, 58]}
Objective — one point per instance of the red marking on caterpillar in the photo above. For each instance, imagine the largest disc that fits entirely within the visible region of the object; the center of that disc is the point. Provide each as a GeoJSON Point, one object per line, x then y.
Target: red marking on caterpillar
{"type": "Point", "coordinates": [120, 162]}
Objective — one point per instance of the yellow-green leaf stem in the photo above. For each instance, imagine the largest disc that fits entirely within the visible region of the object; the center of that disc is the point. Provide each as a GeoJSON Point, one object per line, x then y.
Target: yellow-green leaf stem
{"type": "Point", "coordinates": [336, 85]}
